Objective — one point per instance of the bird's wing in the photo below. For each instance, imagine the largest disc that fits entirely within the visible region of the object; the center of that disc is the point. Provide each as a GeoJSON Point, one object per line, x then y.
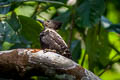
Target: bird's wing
{"type": "Point", "coordinates": [53, 40]}
{"type": "Point", "coordinates": [58, 39]}
{"type": "Point", "coordinates": [61, 43]}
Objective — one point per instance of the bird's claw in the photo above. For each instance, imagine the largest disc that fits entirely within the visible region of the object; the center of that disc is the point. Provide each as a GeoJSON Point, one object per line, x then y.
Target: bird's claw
{"type": "Point", "coordinates": [49, 50]}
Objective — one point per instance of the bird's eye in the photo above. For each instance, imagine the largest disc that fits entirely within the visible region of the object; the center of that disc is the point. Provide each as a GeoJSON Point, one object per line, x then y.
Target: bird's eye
{"type": "Point", "coordinates": [48, 21]}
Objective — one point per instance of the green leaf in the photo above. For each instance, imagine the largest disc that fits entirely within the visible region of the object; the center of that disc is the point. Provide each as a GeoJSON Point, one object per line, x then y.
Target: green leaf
{"type": "Point", "coordinates": [8, 37]}
{"type": "Point", "coordinates": [48, 1]}
{"type": "Point", "coordinates": [1, 34]}
{"type": "Point", "coordinates": [7, 45]}
{"type": "Point", "coordinates": [30, 30]}
{"type": "Point", "coordinates": [26, 9]}
{"type": "Point", "coordinates": [114, 40]}
{"type": "Point", "coordinates": [14, 22]}
{"type": "Point", "coordinates": [64, 18]}
{"type": "Point", "coordinates": [109, 26]}
{"type": "Point", "coordinates": [89, 12]}
{"type": "Point", "coordinates": [97, 46]}
{"type": "Point", "coordinates": [76, 50]}
{"type": "Point", "coordinates": [8, 33]}
{"type": "Point", "coordinates": [8, 5]}
{"type": "Point", "coordinates": [113, 74]}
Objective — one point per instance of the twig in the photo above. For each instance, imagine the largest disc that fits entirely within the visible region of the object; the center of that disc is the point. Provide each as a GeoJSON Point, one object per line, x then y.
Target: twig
{"type": "Point", "coordinates": [46, 1]}
{"type": "Point", "coordinates": [71, 33]}
{"type": "Point", "coordinates": [5, 5]}
{"type": "Point", "coordinates": [108, 66]}
{"type": "Point", "coordinates": [114, 48]}
{"type": "Point", "coordinates": [71, 27]}
{"type": "Point", "coordinates": [36, 10]}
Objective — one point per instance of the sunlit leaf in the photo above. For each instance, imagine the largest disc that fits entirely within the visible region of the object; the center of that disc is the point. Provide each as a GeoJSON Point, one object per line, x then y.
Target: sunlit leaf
{"type": "Point", "coordinates": [114, 40]}
{"type": "Point", "coordinates": [113, 14]}
{"type": "Point", "coordinates": [26, 9]}
{"type": "Point", "coordinates": [111, 75]}
{"type": "Point", "coordinates": [7, 45]}
{"type": "Point", "coordinates": [115, 45]}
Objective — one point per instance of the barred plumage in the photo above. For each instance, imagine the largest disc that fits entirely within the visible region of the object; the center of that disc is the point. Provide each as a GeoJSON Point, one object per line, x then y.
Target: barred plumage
{"type": "Point", "coordinates": [50, 39]}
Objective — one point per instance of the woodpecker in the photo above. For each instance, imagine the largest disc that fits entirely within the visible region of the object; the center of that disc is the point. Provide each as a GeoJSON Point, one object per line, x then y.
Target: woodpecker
{"type": "Point", "coordinates": [50, 40]}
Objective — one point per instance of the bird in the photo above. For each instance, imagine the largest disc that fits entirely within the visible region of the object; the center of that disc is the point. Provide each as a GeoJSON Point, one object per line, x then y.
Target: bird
{"type": "Point", "coordinates": [50, 40]}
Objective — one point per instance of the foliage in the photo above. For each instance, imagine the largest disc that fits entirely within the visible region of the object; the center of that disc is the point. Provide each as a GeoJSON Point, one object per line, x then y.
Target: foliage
{"type": "Point", "coordinates": [90, 27]}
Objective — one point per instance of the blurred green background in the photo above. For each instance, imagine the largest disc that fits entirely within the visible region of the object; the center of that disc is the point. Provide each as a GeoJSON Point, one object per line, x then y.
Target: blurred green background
{"type": "Point", "coordinates": [91, 28]}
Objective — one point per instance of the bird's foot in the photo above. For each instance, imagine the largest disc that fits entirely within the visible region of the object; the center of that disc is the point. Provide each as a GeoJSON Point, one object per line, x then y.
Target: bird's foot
{"type": "Point", "coordinates": [68, 55]}
{"type": "Point", "coordinates": [49, 50]}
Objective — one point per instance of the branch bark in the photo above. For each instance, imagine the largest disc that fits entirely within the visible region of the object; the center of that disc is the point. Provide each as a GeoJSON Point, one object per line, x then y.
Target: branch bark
{"type": "Point", "coordinates": [21, 64]}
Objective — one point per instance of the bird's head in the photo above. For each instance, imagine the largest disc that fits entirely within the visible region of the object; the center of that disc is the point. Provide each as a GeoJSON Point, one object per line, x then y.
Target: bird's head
{"type": "Point", "coordinates": [51, 24]}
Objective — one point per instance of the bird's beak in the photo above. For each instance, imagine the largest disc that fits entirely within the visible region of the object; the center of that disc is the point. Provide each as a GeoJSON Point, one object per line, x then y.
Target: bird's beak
{"type": "Point", "coordinates": [40, 21]}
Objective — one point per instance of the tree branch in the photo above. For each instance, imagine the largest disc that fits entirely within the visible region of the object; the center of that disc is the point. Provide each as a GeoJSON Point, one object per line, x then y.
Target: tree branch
{"type": "Point", "coordinates": [21, 64]}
